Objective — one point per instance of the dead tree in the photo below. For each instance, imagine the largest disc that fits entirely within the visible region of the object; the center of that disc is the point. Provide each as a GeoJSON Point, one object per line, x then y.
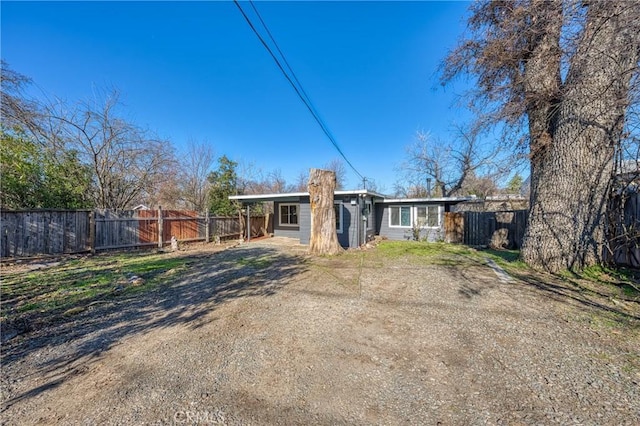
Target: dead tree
{"type": "Point", "coordinates": [324, 239]}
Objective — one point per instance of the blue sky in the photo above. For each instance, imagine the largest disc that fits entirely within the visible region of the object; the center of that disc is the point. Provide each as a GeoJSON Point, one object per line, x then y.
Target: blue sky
{"type": "Point", "coordinates": [195, 70]}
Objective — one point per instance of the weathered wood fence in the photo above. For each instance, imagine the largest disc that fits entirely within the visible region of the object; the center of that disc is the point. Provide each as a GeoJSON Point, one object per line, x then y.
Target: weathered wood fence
{"type": "Point", "coordinates": [624, 235]}
{"type": "Point", "coordinates": [504, 229]}
{"type": "Point", "coordinates": [47, 232]}
{"type": "Point", "coordinates": [29, 233]}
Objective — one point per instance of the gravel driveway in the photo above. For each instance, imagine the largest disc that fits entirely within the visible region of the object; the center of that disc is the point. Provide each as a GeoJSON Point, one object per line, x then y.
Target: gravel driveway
{"type": "Point", "coordinates": [263, 334]}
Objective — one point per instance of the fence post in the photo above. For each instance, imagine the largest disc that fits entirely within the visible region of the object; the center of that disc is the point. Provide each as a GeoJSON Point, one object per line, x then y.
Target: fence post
{"type": "Point", "coordinates": [160, 240]}
{"type": "Point", "coordinates": [92, 231]}
{"type": "Point", "coordinates": [248, 222]}
{"type": "Point", "coordinates": [206, 227]}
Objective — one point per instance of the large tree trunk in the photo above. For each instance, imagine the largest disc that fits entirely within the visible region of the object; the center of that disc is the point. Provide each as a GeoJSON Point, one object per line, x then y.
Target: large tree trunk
{"type": "Point", "coordinates": [324, 239]}
{"type": "Point", "coordinates": [572, 144]}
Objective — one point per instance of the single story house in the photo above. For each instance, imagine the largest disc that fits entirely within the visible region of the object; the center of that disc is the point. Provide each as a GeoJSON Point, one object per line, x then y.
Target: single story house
{"type": "Point", "coordinates": [360, 215]}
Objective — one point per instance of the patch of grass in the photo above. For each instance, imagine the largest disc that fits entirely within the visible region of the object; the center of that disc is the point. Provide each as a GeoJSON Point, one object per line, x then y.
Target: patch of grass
{"type": "Point", "coordinates": [255, 262]}
{"type": "Point", "coordinates": [506, 259]}
{"type": "Point", "coordinates": [447, 254]}
{"type": "Point", "coordinates": [395, 249]}
{"type": "Point", "coordinates": [617, 282]}
{"type": "Point", "coordinates": [506, 255]}
{"type": "Point", "coordinates": [72, 285]}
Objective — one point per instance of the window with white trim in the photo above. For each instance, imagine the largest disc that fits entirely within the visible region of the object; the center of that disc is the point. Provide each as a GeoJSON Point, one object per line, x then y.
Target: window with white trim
{"type": "Point", "coordinates": [427, 216]}
{"type": "Point", "coordinates": [400, 216]}
{"type": "Point", "coordinates": [288, 214]}
{"type": "Point", "coordinates": [337, 207]}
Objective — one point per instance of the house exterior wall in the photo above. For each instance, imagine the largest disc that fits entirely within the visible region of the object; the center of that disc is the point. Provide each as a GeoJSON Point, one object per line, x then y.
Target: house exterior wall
{"type": "Point", "coordinates": [350, 216]}
{"type": "Point", "coordinates": [405, 233]}
{"type": "Point", "coordinates": [303, 231]}
{"type": "Point", "coordinates": [285, 231]}
{"type": "Point", "coordinates": [305, 220]}
{"type": "Point", "coordinates": [349, 236]}
{"type": "Point", "coordinates": [370, 227]}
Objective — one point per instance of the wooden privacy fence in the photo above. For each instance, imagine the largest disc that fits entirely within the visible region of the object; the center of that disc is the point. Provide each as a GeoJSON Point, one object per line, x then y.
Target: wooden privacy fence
{"type": "Point", "coordinates": [30, 233]}
{"type": "Point", "coordinates": [624, 235]}
{"type": "Point", "coordinates": [503, 229]}
{"type": "Point", "coordinates": [45, 232]}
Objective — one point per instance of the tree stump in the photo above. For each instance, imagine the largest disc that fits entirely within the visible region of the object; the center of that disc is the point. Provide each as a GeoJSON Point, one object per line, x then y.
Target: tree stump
{"type": "Point", "coordinates": [324, 238]}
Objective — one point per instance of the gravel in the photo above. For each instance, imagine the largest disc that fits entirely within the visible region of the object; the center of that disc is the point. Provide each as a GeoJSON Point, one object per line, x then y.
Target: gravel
{"type": "Point", "coordinates": [263, 334]}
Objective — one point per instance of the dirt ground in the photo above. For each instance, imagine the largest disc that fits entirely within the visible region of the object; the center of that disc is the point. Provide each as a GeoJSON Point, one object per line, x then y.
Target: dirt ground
{"type": "Point", "coordinates": [263, 334]}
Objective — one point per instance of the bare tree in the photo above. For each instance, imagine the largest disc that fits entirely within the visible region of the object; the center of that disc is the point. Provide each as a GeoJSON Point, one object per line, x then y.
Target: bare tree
{"type": "Point", "coordinates": [195, 167]}
{"type": "Point", "coordinates": [36, 171]}
{"type": "Point", "coordinates": [167, 192]}
{"type": "Point", "coordinates": [435, 168]}
{"type": "Point", "coordinates": [126, 161]}
{"type": "Point", "coordinates": [16, 111]}
{"type": "Point", "coordinates": [301, 182]}
{"type": "Point", "coordinates": [565, 72]}
{"type": "Point", "coordinates": [338, 167]}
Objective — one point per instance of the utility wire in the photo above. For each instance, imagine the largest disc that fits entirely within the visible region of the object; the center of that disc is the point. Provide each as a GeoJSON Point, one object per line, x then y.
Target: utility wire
{"type": "Point", "coordinates": [284, 58]}
{"type": "Point", "coordinates": [299, 90]}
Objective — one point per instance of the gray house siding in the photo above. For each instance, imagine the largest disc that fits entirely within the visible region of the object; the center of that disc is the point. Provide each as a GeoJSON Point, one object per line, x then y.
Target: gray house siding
{"type": "Point", "coordinates": [405, 233]}
{"type": "Point", "coordinates": [349, 236]}
{"type": "Point", "coordinates": [371, 222]}
{"type": "Point", "coordinates": [285, 231]}
{"type": "Point", "coordinates": [305, 220]}
{"type": "Point", "coordinates": [355, 230]}
{"type": "Point", "coordinates": [395, 234]}
{"type": "Point", "coordinates": [305, 223]}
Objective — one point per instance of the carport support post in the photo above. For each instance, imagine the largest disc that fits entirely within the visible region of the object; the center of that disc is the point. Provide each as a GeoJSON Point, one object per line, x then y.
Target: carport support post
{"type": "Point", "coordinates": [248, 223]}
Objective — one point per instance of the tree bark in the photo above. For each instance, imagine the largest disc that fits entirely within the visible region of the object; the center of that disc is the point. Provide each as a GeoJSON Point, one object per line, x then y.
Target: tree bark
{"type": "Point", "coordinates": [324, 239]}
{"type": "Point", "coordinates": [573, 141]}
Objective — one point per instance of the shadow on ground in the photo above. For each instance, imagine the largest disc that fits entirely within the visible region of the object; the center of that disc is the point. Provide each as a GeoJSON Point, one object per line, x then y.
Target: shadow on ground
{"type": "Point", "coordinates": [211, 280]}
{"type": "Point", "coordinates": [571, 293]}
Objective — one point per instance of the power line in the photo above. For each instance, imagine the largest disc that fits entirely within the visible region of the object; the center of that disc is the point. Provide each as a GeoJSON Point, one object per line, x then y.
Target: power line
{"type": "Point", "coordinates": [299, 90]}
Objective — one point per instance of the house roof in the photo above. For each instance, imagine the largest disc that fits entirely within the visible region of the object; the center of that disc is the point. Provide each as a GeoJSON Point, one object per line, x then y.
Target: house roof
{"type": "Point", "coordinates": [450, 200]}
{"type": "Point", "coordinates": [291, 196]}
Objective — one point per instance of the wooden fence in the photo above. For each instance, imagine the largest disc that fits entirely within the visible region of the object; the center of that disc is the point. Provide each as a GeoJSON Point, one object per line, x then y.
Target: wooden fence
{"type": "Point", "coordinates": [48, 232]}
{"type": "Point", "coordinates": [503, 229]}
{"type": "Point", "coordinates": [30, 233]}
{"type": "Point", "coordinates": [624, 235]}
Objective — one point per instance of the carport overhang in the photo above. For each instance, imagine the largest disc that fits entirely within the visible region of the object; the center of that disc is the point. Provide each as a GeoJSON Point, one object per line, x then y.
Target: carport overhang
{"type": "Point", "coordinates": [294, 196]}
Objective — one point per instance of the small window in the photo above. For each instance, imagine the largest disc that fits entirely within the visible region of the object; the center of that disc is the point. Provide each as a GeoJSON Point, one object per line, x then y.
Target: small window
{"type": "Point", "coordinates": [421, 216]}
{"type": "Point", "coordinates": [400, 216]}
{"type": "Point", "coordinates": [288, 214]}
{"type": "Point", "coordinates": [338, 210]}
{"type": "Point", "coordinates": [427, 216]}
{"type": "Point", "coordinates": [433, 216]}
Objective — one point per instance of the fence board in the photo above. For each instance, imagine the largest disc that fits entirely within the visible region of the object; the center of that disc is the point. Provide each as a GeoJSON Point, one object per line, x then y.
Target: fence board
{"type": "Point", "coordinates": [43, 232]}
{"type": "Point", "coordinates": [27, 233]}
{"type": "Point", "coordinates": [499, 229]}
{"type": "Point", "coordinates": [224, 227]}
{"type": "Point", "coordinates": [624, 239]}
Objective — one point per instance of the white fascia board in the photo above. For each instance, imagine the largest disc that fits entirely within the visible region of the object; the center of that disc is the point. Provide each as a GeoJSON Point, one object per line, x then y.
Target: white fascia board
{"type": "Point", "coordinates": [427, 200]}
{"type": "Point", "coordinates": [271, 197]}
{"type": "Point", "coordinates": [261, 197]}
